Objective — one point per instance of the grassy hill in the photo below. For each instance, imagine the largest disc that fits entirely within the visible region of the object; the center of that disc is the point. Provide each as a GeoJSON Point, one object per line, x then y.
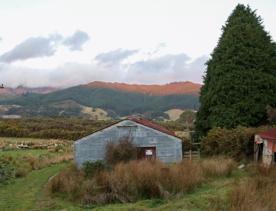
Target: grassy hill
{"type": "Point", "coordinates": [115, 102]}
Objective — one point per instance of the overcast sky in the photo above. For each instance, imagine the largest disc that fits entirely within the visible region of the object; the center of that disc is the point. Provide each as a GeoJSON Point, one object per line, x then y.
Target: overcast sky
{"type": "Point", "coordinates": [70, 42]}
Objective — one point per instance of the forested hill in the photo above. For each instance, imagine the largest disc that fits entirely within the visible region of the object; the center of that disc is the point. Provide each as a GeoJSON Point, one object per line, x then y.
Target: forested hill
{"type": "Point", "coordinates": [75, 101]}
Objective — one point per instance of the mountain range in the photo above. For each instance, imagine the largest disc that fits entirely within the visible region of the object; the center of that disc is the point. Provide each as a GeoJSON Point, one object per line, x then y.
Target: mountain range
{"type": "Point", "coordinates": [159, 90]}
{"type": "Point", "coordinates": [100, 100]}
{"type": "Point", "coordinates": [21, 90]}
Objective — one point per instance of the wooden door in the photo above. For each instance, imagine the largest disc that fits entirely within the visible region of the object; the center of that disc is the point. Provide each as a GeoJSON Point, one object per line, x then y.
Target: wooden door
{"type": "Point", "coordinates": [148, 153]}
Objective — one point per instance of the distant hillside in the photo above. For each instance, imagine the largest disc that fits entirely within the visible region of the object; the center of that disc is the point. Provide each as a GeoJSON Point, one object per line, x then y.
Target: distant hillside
{"type": "Point", "coordinates": [160, 90]}
{"type": "Point", "coordinates": [20, 90]}
{"type": "Point", "coordinates": [174, 113]}
{"type": "Point", "coordinates": [85, 99]}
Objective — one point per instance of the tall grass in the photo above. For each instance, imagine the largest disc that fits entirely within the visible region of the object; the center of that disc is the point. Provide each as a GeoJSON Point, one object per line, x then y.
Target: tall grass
{"type": "Point", "coordinates": [13, 167]}
{"type": "Point", "coordinates": [218, 166]}
{"type": "Point", "coordinates": [257, 193]}
{"type": "Point", "coordinates": [129, 182]}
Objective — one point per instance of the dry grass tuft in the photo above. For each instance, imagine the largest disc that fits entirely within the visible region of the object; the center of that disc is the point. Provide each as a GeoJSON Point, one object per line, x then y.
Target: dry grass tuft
{"type": "Point", "coordinates": [67, 182]}
{"type": "Point", "coordinates": [257, 193]}
{"type": "Point", "coordinates": [46, 160]}
{"type": "Point", "coordinates": [137, 179]}
{"type": "Point", "coordinates": [217, 166]}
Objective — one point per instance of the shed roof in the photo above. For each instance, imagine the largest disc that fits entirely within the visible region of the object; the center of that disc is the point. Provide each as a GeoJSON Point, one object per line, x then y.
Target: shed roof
{"type": "Point", "coordinates": [269, 134]}
{"type": "Point", "coordinates": [151, 124]}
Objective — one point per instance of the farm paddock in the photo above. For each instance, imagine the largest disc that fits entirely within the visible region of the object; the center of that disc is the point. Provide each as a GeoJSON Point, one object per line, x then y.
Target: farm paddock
{"type": "Point", "coordinates": [30, 192]}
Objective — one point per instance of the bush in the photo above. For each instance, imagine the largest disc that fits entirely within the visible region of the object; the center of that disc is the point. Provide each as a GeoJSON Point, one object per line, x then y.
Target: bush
{"type": "Point", "coordinates": [22, 171]}
{"type": "Point", "coordinates": [237, 143]}
{"type": "Point", "coordinates": [7, 170]}
{"type": "Point", "coordinates": [123, 151]}
{"type": "Point", "coordinates": [91, 168]}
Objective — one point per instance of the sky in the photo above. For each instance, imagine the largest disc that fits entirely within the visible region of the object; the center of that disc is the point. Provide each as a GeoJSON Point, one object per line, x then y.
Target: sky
{"type": "Point", "coordinates": [69, 42]}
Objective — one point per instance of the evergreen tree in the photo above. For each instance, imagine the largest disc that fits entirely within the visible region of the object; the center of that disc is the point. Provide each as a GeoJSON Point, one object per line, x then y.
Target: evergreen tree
{"type": "Point", "coordinates": [241, 75]}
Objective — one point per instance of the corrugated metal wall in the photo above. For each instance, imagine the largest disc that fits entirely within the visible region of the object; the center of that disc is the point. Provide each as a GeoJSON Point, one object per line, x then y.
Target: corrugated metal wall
{"type": "Point", "coordinates": [92, 147]}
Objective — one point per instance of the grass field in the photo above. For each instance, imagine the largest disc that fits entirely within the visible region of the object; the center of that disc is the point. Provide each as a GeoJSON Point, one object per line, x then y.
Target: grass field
{"type": "Point", "coordinates": [19, 153]}
{"type": "Point", "coordinates": [23, 193]}
{"type": "Point", "coordinates": [210, 196]}
{"type": "Point", "coordinates": [29, 192]}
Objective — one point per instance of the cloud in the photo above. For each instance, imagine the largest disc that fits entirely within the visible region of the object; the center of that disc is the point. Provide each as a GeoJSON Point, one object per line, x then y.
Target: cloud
{"type": "Point", "coordinates": [161, 64]}
{"type": "Point", "coordinates": [167, 68]}
{"type": "Point", "coordinates": [158, 70]}
{"type": "Point", "coordinates": [115, 56]}
{"type": "Point", "coordinates": [76, 41]}
{"type": "Point", "coordinates": [69, 74]}
{"type": "Point", "coordinates": [33, 47]}
{"type": "Point", "coordinates": [37, 47]}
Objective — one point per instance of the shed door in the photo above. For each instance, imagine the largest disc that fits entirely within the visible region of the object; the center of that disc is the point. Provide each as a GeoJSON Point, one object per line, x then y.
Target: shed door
{"type": "Point", "coordinates": [148, 153]}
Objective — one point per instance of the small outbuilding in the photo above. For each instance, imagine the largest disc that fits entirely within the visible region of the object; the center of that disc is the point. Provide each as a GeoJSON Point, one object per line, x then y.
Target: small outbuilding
{"type": "Point", "coordinates": [152, 141]}
{"type": "Point", "coordinates": [265, 147]}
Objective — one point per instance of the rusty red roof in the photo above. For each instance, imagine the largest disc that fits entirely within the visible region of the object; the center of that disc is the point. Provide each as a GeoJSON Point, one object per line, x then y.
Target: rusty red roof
{"type": "Point", "coordinates": [269, 134]}
{"type": "Point", "coordinates": [150, 124]}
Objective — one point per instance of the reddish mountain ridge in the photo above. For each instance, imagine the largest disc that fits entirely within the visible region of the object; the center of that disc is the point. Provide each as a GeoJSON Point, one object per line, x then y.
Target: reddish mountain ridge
{"type": "Point", "coordinates": [153, 89]}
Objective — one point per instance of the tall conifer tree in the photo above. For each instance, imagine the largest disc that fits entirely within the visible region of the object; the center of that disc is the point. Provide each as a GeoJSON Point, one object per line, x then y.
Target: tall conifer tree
{"type": "Point", "coordinates": [241, 75]}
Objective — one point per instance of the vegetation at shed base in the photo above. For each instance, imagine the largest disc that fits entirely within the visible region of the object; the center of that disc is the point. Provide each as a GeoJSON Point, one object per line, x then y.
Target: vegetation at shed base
{"type": "Point", "coordinates": [136, 180]}
{"type": "Point", "coordinates": [91, 168]}
{"type": "Point", "coordinates": [123, 151]}
{"type": "Point", "coordinates": [241, 75]}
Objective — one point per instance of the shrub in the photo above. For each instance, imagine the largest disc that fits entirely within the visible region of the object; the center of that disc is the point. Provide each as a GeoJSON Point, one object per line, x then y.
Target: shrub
{"type": "Point", "coordinates": [21, 171]}
{"type": "Point", "coordinates": [123, 151]}
{"type": "Point", "coordinates": [237, 143]}
{"type": "Point", "coordinates": [10, 168]}
{"type": "Point", "coordinates": [7, 170]}
{"type": "Point", "coordinates": [90, 168]}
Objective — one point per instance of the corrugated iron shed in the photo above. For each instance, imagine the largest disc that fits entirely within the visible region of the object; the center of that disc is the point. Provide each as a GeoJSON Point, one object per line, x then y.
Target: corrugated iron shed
{"type": "Point", "coordinates": [151, 124]}
{"type": "Point", "coordinates": [269, 134]}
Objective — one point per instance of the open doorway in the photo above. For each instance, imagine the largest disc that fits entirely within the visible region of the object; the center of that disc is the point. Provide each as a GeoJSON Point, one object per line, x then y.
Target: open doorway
{"type": "Point", "coordinates": [148, 153]}
{"type": "Point", "coordinates": [260, 152]}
